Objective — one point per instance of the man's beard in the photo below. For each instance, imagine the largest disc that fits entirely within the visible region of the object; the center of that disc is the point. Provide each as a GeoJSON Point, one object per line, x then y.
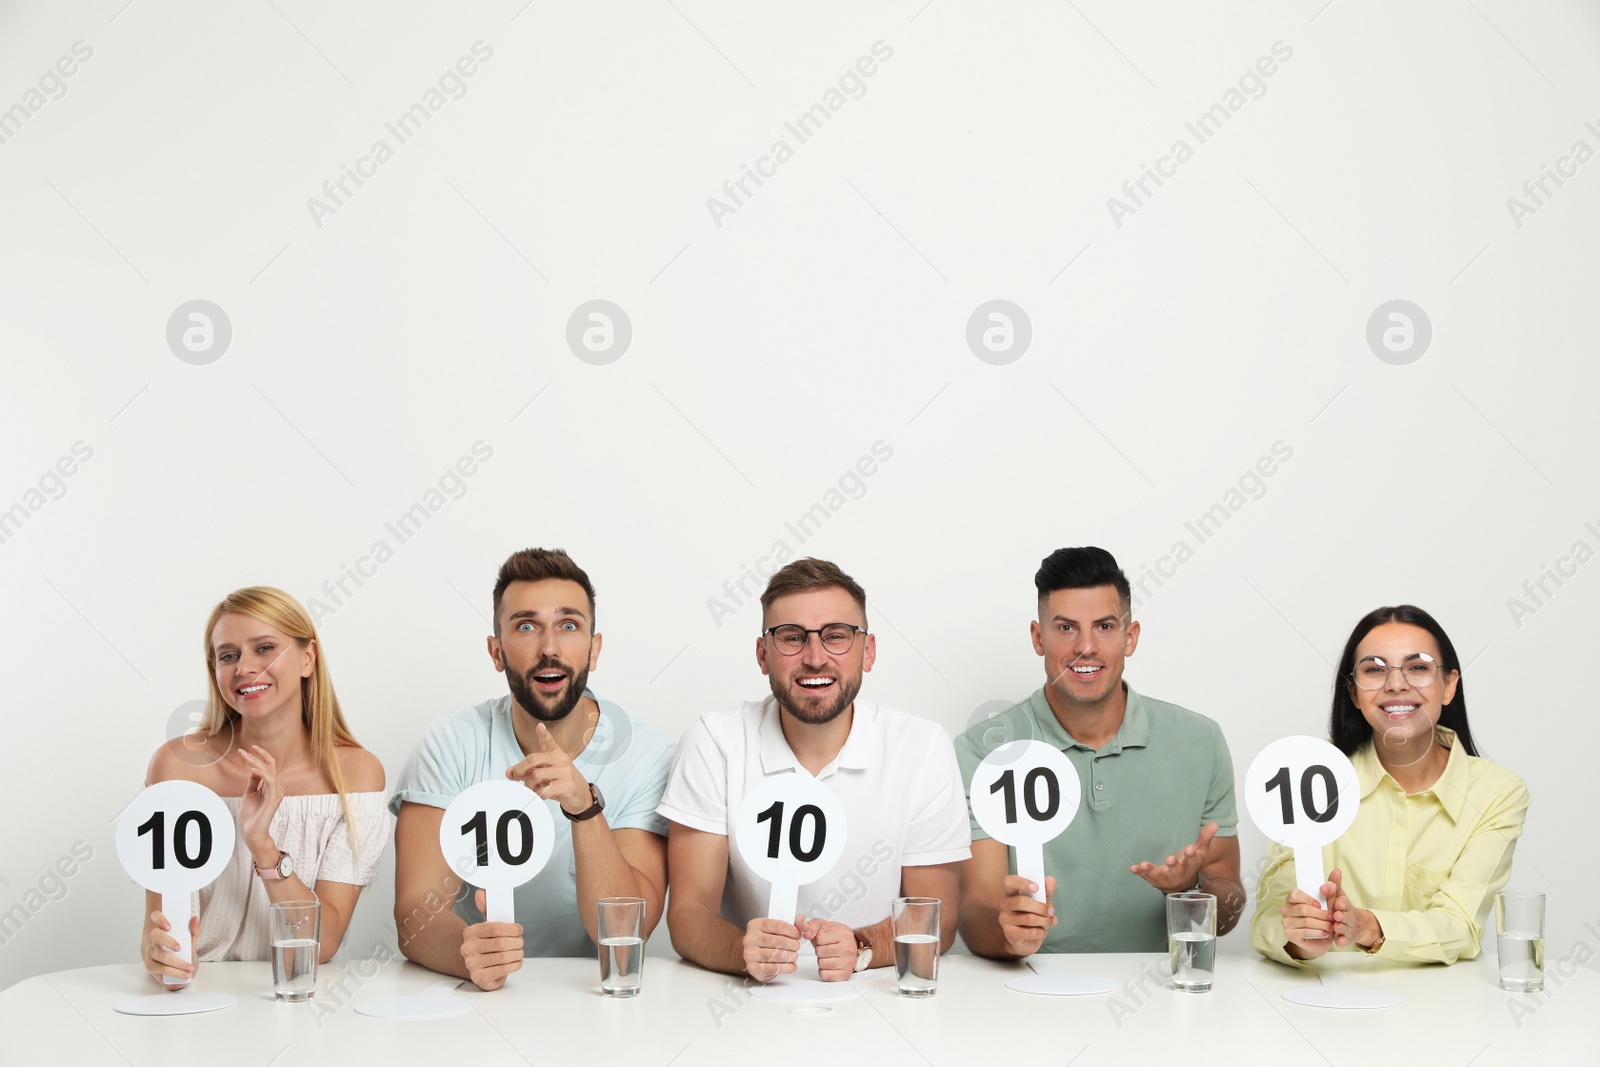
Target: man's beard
{"type": "Point", "coordinates": [531, 701]}
{"type": "Point", "coordinates": [845, 690]}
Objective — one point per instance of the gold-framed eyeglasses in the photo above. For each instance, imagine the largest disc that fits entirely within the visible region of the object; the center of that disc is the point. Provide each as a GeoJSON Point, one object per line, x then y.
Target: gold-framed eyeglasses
{"type": "Point", "coordinates": [1418, 669]}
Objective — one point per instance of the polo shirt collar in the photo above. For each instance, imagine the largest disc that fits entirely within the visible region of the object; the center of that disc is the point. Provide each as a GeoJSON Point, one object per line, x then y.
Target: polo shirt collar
{"type": "Point", "coordinates": [861, 750]}
{"type": "Point", "coordinates": [776, 755]}
{"type": "Point", "coordinates": [1133, 733]}
{"type": "Point", "coordinates": [1450, 789]}
{"type": "Point", "coordinates": [864, 746]}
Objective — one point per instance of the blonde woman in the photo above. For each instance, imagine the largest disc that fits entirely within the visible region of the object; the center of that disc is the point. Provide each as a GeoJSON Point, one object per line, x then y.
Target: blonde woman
{"type": "Point", "coordinates": [307, 798]}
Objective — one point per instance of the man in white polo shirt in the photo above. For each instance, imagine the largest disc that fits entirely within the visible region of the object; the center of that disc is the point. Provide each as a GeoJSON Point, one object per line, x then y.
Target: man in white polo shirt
{"type": "Point", "coordinates": [894, 774]}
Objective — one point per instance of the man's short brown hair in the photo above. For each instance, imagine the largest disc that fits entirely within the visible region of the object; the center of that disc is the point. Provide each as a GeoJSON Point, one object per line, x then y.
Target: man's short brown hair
{"type": "Point", "coordinates": [537, 565]}
{"type": "Point", "coordinates": [806, 574]}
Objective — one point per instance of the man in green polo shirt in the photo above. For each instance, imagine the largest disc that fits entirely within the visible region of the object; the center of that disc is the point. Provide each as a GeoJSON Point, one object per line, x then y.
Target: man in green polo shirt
{"type": "Point", "coordinates": [1157, 814]}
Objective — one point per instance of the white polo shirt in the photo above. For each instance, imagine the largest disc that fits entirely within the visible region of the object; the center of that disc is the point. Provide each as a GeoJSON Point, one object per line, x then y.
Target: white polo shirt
{"type": "Point", "coordinates": [896, 777]}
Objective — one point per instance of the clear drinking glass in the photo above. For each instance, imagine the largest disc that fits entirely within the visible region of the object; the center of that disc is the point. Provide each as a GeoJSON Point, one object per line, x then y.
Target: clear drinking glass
{"type": "Point", "coordinates": [916, 945]}
{"type": "Point", "coordinates": [1192, 940]}
{"type": "Point", "coordinates": [296, 941]}
{"type": "Point", "coordinates": [1519, 930]}
{"type": "Point", "coordinates": [621, 926]}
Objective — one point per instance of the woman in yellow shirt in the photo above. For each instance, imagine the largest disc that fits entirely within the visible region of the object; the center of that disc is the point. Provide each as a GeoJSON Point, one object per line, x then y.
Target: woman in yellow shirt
{"type": "Point", "coordinates": [1414, 876]}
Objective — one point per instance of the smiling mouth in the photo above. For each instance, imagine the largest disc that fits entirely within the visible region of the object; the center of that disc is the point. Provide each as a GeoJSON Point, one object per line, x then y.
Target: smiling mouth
{"type": "Point", "coordinates": [1087, 670]}
{"type": "Point", "coordinates": [1399, 711]}
{"type": "Point", "coordinates": [252, 690]}
{"type": "Point", "coordinates": [815, 684]}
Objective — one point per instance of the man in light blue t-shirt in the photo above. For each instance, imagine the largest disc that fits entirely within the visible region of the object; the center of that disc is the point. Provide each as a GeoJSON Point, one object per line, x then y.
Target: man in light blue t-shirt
{"type": "Point", "coordinates": [603, 799]}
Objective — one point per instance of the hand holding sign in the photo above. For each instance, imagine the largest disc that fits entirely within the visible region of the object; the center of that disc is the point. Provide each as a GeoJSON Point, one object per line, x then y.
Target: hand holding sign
{"type": "Point", "coordinates": [176, 838]}
{"type": "Point", "coordinates": [1302, 793]}
{"type": "Point", "coordinates": [790, 830]}
{"type": "Point", "coordinates": [497, 835]}
{"type": "Point", "coordinates": [1024, 794]}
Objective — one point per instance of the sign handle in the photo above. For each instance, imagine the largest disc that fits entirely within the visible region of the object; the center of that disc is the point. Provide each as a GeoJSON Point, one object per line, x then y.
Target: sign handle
{"type": "Point", "coordinates": [784, 903]}
{"type": "Point", "coordinates": [175, 906]}
{"type": "Point", "coordinates": [1030, 865]}
{"type": "Point", "coordinates": [500, 904]}
{"type": "Point", "coordinates": [1308, 872]}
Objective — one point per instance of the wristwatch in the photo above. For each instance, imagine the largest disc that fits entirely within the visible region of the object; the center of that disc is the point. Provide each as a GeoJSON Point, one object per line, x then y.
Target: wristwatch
{"type": "Point", "coordinates": [863, 952]}
{"type": "Point", "coordinates": [1372, 949]}
{"type": "Point", "coordinates": [282, 869]}
{"type": "Point", "coordinates": [592, 810]}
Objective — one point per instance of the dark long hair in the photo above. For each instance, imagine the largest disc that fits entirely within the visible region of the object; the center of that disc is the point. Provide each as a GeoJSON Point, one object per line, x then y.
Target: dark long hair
{"type": "Point", "coordinates": [1348, 728]}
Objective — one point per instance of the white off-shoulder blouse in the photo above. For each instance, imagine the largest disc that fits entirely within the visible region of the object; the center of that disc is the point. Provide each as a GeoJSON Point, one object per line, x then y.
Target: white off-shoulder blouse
{"type": "Point", "coordinates": [233, 910]}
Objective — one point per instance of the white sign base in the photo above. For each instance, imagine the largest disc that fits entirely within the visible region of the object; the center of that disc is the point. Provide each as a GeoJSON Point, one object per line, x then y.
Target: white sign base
{"type": "Point", "coordinates": [795, 989]}
{"type": "Point", "coordinates": [803, 986]}
{"type": "Point", "coordinates": [186, 1002]}
{"type": "Point", "coordinates": [1342, 996]}
{"type": "Point", "coordinates": [1050, 981]}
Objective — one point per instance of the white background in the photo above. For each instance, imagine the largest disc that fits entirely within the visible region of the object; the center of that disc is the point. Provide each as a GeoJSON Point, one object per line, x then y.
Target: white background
{"type": "Point", "coordinates": [827, 313]}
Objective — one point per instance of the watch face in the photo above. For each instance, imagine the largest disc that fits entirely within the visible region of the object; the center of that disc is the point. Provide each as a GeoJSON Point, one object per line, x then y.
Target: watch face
{"type": "Point", "coordinates": [285, 866]}
{"type": "Point", "coordinates": [595, 808]}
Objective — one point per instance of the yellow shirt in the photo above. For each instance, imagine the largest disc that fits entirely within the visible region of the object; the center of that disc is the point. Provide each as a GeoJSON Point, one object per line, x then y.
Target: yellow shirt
{"type": "Point", "coordinates": [1427, 865]}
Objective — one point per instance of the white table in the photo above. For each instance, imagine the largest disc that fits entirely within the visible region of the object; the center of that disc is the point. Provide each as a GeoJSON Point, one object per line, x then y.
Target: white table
{"type": "Point", "coordinates": [551, 1013]}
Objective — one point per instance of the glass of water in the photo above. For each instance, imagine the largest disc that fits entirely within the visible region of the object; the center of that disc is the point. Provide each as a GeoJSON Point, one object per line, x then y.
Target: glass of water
{"type": "Point", "coordinates": [1519, 926]}
{"type": "Point", "coordinates": [916, 945]}
{"type": "Point", "coordinates": [296, 941]}
{"type": "Point", "coordinates": [1192, 940]}
{"type": "Point", "coordinates": [621, 929]}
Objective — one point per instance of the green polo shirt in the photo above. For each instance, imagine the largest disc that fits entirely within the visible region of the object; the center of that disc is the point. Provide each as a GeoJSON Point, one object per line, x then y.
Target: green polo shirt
{"type": "Point", "coordinates": [1146, 794]}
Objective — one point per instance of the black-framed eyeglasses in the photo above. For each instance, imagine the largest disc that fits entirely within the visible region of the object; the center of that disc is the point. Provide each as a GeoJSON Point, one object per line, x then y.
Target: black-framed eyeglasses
{"type": "Point", "coordinates": [1418, 669]}
{"type": "Point", "coordinates": [837, 637]}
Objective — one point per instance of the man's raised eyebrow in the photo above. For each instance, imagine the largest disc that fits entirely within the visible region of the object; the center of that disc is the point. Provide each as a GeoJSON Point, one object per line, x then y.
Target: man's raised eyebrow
{"type": "Point", "coordinates": [529, 613]}
{"type": "Point", "coordinates": [1074, 622]}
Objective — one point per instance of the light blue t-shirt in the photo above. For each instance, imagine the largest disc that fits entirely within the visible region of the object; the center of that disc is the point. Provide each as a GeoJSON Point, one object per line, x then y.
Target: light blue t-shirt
{"type": "Point", "coordinates": [626, 759]}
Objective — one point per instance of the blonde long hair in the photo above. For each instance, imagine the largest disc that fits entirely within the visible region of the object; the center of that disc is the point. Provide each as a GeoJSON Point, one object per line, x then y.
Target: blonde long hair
{"type": "Point", "coordinates": [319, 707]}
